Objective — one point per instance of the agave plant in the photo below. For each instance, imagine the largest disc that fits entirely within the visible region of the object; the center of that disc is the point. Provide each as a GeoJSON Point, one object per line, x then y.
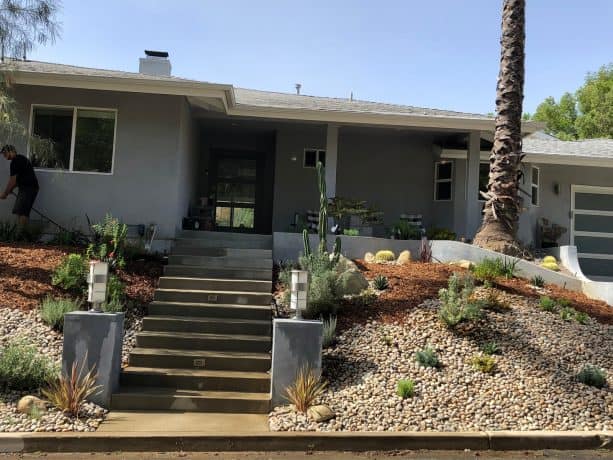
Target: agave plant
{"type": "Point", "coordinates": [305, 390]}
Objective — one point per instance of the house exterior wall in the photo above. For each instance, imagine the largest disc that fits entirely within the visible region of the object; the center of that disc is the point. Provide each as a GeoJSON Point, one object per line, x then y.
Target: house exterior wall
{"type": "Point", "coordinates": [143, 187]}
{"type": "Point", "coordinates": [392, 171]}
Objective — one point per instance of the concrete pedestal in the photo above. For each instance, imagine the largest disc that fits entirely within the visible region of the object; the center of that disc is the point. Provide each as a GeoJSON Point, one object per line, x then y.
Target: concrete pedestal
{"type": "Point", "coordinates": [97, 338]}
{"type": "Point", "coordinates": [295, 344]}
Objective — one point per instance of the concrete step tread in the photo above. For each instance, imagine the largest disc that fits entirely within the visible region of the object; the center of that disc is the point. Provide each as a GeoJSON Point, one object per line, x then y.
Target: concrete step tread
{"type": "Point", "coordinates": [204, 305]}
{"type": "Point", "coordinates": [210, 291]}
{"type": "Point", "coordinates": [199, 353]}
{"type": "Point", "coordinates": [206, 319]}
{"type": "Point", "coordinates": [224, 280]}
{"type": "Point", "coordinates": [155, 392]}
{"type": "Point", "coordinates": [204, 335]}
{"type": "Point", "coordinates": [200, 373]}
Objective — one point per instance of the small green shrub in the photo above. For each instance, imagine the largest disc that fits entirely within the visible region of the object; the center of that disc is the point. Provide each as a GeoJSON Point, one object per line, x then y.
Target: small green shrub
{"type": "Point", "coordinates": [365, 298]}
{"type": "Point", "coordinates": [405, 388]}
{"type": "Point", "coordinates": [323, 296]}
{"type": "Point", "coordinates": [567, 313]}
{"type": "Point", "coordinates": [404, 230]}
{"type": "Point", "coordinates": [581, 317]}
{"type": "Point", "coordinates": [490, 348]}
{"type": "Point", "coordinates": [537, 281]}
{"type": "Point", "coordinates": [440, 234]}
{"type": "Point", "coordinates": [564, 303]}
{"type": "Point", "coordinates": [68, 238]}
{"type": "Point", "coordinates": [52, 311]}
{"type": "Point", "coordinates": [494, 302]}
{"type": "Point", "coordinates": [329, 332]}
{"type": "Point", "coordinates": [387, 340]}
{"type": "Point", "coordinates": [485, 364]}
{"type": "Point", "coordinates": [23, 368]}
{"type": "Point", "coordinates": [592, 376]}
{"type": "Point", "coordinates": [351, 232]}
{"type": "Point", "coordinates": [490, 269]}
{"type": "Point", "coordinates": [115, 290]}
{"type": "Point", "coordinates": [427, 358]}
{"type": "Point", "coordinates": [109, 242]}
{"type": "Point", "coordinates": [381, 283]}
{"type": "Point", "coordinates": [71, 274]}
{"type": "Point", "coordinates": [547, 304]}
{"type": "Point", "coordinates": [456, 303]}
{"type": "Point", "coordinates": [385, 256]}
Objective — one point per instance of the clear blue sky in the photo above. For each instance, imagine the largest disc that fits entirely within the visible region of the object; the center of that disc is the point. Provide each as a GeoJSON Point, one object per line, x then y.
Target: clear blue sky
{"type": "Point", "coordinates": [434, 53]}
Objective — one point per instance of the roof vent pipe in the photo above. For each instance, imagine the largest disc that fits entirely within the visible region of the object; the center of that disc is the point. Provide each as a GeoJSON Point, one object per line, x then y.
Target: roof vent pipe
{"type": "Point", "coordinates": [155, 63]}
{"type": "Point", "coordinates": [298, 86]}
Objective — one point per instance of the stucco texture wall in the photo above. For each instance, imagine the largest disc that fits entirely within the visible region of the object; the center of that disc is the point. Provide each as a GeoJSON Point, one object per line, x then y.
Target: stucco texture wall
{"type": "Point", "coordinates": [144, 186]}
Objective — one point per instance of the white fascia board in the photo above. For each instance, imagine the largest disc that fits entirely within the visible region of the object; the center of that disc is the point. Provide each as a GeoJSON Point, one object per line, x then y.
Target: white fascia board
{"type": "Point", "coordinates": [538, 158]}
{"type": "Point", "coordinates": [133, 85]}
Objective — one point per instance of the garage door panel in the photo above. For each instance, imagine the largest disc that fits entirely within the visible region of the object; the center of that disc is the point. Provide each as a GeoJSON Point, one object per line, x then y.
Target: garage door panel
{"type": "Point", "coordinates": [591, 223]}
{"type": "Point", "coordinates": [594, 201]}
{"type": "Point", "coordinates": [593, 245]}
{"type": "Point", "coordinates": [596, 267]}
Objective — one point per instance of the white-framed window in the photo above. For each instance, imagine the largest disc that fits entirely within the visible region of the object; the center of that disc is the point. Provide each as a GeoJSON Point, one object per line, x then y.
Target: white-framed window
{"type": "Point", "coordinates": [535, 179]}
{"type": "Point", "coordinates": [484, 178]}
{"type": "Point", "coordinates": [443, 181]}
{"type": "Point", "coordinates": [312, 156]}
{"type": "Point", "coordinates": [81, 139]}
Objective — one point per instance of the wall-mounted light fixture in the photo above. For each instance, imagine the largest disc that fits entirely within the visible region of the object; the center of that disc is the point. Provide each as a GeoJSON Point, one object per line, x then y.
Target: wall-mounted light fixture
{"type": "Point", "coordinates": [556, 188]}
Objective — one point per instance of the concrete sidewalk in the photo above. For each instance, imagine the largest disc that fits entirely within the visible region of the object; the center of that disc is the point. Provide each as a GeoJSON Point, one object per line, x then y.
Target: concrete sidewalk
{"type": "Point", "coordinates": [183, 422]}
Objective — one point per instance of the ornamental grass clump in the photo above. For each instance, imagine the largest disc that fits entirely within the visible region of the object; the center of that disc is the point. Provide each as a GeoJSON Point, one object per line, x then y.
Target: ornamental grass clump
{"type": "Point", "coordinates": [547, 304]}
{"type": "Point", "coordinates": [405, 388]}
{"type": "Point", "coordinates": [490, 348]}
{"type": "Point", "coordinates": [68, 393]}
{"type": "Point", "coordinates": [329, 332]}
{"type": "Point", "coordinates": [456, 302]}
{"type": "Point", "coordinates": [380, 283]}
{"type": "Point", "coordinates": [592, 376]}
{"type": "Point", "coordinates": [427, 358]}
{"type": "Point", "coordinates": [52, 311]}
{"type": "Point", "coordinates": [489, 269]}
{"type": "Point", "coordinates": [306, 389]}
{"type": "Point", "coordinates": [537, 281]}
{"type": "Point", "coordinates": [22, 367]}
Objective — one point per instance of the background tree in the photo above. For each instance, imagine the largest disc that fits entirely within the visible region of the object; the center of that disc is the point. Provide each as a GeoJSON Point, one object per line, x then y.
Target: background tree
{"type": "Point", "coordinates": [23, 24]}
{"type": "Point", "coordinates": [501, 213]}
{"type": "Point", "coordinates": [586, 114]}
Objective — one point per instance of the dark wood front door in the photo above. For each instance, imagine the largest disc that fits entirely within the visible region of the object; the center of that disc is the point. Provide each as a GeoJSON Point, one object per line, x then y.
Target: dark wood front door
{"type": "Point", "coordinates": [235, 188]}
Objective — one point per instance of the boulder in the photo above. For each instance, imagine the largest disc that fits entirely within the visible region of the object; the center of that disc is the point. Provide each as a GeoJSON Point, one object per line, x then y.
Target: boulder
{"type": "Point", "coordinates": [369, 257]}
{"type": "Point", "coordinates": [320, 413]}
{"type": "Point", "coordinates": [463, 263]}
{"type": "Point", "coordinates": [404, 258]}
{"type": "Point", "coordinates": [352, 282]}
{"type": "Point", "coordinates": [28, 403]}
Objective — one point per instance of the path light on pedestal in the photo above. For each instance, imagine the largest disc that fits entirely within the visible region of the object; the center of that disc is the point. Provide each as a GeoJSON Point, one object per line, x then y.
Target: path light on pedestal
{"type": "Point", "coordinates": [96, 281]}
{"type": "Point", "coordinates": [298, 292]}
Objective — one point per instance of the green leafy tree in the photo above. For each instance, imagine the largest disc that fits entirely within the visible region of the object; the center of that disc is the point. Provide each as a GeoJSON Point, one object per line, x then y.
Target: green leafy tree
{"type": "Point", "coordinates": [586, 114]}
{"type": "Point", "coordinates": [23, 24]}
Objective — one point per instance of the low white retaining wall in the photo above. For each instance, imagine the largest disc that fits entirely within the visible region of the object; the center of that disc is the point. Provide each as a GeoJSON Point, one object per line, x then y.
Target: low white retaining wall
{"type": "Point", "coordinates": [289, 246]}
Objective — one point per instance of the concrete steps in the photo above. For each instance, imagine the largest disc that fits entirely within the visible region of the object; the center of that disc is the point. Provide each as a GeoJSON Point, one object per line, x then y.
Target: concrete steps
{"type": "Point", "coordinates": [197, 379]}
{"type": "Point", "coordinates": [207, 341]}
{"type": "Point", "coordinates": [207, 325]}
{"type": "Point", "coordinates": [199, 359]}
{"type": "Point", "coordinates": [161, 398]}
{"type": "Point", "coordinates": [259, 312]}
{"type": "Point", "coordinates": [205, 345]}
{"type": "Point", "coordinates": [193, 271]}
{"type": "Point", "coordinates": [214, 284]}
{"type": "Point", "coordinates": [223, 297]}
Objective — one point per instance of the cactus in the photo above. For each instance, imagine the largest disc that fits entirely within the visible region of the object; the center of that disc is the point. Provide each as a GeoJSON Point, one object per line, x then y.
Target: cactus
{"type": "Point", "coordinates": [337, 250]}
{"type": "Point", "coordinates": [307, 243]}
{"type": "Point", "coordinates": [385, 256]}
{"type": "Point", "coordinates": [322, 229]}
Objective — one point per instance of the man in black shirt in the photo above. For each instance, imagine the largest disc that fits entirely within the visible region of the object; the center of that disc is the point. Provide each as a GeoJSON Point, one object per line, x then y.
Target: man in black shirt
{"type": "Point", "coordinates": [22, 177]}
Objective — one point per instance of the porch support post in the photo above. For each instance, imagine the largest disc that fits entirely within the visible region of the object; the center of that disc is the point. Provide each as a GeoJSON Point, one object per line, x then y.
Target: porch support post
{"type": "Point", "coordinates": [473, 206]}
{"type": "Point", "coordinates": [331, 159]}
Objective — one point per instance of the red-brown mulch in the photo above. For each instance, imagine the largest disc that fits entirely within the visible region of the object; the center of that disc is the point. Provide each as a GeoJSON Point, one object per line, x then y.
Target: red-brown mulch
{"type": "Point", "coordinates": [25, 274]}
{"type": "Point", "coordinates": [26, 269]}
{"type": "Point", "coordinates": [409, 286]}
{"type": "Point", "coordinates": [597, 309]}
{"type": "Point", "coordinates": [413, 283]}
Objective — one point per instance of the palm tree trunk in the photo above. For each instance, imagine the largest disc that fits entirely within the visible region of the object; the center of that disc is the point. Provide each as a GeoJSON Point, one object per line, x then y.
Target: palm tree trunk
{"type": "Point", "coordinates": [503, 206]}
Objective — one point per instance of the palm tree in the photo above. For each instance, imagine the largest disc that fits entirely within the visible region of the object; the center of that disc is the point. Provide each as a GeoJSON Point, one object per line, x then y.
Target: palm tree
{"type": "Point", "coordinates": [503, 206]}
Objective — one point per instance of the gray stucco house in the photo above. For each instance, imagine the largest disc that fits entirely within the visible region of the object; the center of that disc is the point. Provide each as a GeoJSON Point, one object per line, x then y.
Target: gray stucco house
{"type": "Point", "coordinates": [153, 148]}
